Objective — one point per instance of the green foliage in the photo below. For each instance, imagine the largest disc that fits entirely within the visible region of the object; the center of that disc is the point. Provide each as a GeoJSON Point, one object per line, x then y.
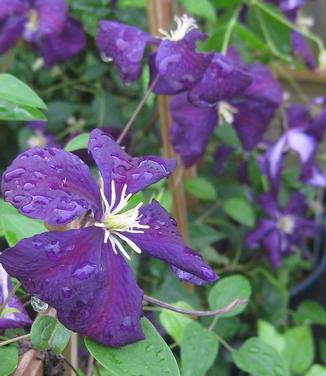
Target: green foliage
{"type": "Point", "coordinates": [310, 312]}
{"type": "Point", "coordinates": [47, 332]}
{"type": "Point", "coordinates": [240, 210]}
{"type": "Point", "coordinates": [270, 335]}
{"type": "Point", "coordinates": [199, 348]}
{"type": "Point", "coordinates": [16, 226]}
{"type": "Point", "coordinates": [149, 357]}
{"type": "Point", "coordinates": [225, 291]}
{"type": "Point", "coordinates": [175, 323]}
{"type": "Point", "coordinates": [316, 370]}
{"type": "Point", "coordinates": [201, 188]}
{"type": "Point", "coordinates": [202, 8]}
{"type": "Point", "coordinates": [258, 358]}
{"type": "Point", "coordinates": [78, 142]}
{"type": "Point", "coordinates": [8, 359]}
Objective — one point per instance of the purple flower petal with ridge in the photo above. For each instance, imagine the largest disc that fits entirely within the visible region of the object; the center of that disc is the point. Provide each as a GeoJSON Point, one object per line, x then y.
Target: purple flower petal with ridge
{"type": "Point", "coordinates": [52, 185]}
{"type": "Point", "coordinates": [272, 245]}
{"type": "Point", "coordinates": [221, 80]}
{"type": "Point", "coordinates": [302, 50]}
{"type": "Point", "coordinates": [93, 289]}
{"type": "Point", "coordinates": [125, 45]}
{"type": "Point", "coordinates": [10, 8]}
{"type": "Point", "coordinates": [14, 319]}
{"type": "Point", "coordinates": [58, 47]}
{"type": "Point", "coordinates": [162, 240]}
{"type": "Point", "coordinates": [313, 175]}
{"type": "Point", "coordinates": [115, 164]}
{"type": "Point", "coordinates": [318, 126]}
{"type": "Point", "coordinates": [263, 228]}
{"type": "Point", "coordinates": [52, 16]}
{"type": "Point", "coordinates": [298, 116]}
{"type": "Point", "coordinates": [191, 128]}
{"type": "Point", "coordinates": [179, 64]}
{"type": "Point", "coordinates": [12, 30]}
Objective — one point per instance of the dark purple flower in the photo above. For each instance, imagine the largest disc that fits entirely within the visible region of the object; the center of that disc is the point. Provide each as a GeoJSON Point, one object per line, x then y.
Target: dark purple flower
{"type": "Point", "coordinates": [302, 50]}
{"type": "Point", "coordinates": [44, 24]}
{"type": "Point", "coordinates": [302, 137]}
{"type": "Point", "coordinates": [40, 137]}
{"type": "Point", "coordinates": [284, 230]}
{"type": "Point", "coordinates": [14, 319]}
{"type": "Point", "coordinates": [191, 128]}
{"type": "Point", "coordinates": [221, 156]}
{"type": "Point", "coordinates": [84, 273]}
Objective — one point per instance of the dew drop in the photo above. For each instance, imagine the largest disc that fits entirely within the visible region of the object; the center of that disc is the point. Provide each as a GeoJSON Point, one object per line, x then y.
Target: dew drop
{"type": "Point", "coordinates": [66, 292]}
{"type": "Point", "coordinates": [38, 305]}
{"type": "Point", "coordinates": [14, 174]}
{"type": "Point", "coordinates": [84, 272]}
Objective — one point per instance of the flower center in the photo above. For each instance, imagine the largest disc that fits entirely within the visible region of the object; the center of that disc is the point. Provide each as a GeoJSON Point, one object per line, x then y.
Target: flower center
{"type": "Point", "coordinates": [31, 26]}
{"type": "Point", "coordinates": [37, 139]}
{"type": "Point", "coordinates": [116, 220]}
{"type": "Point", "coordinates": [185, 24]}
{"type": "Point", "coordinates": [286, 224]}
{"type": "Point", "coordinates": [226, 112]}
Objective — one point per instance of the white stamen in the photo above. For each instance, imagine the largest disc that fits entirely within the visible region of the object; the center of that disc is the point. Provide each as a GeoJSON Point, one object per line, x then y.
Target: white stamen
{"type": "Point", "coordinates": [130, 243]}
{"type": "Point", "coordinates": [122, 250]}
{"type": "Point", "coordinates": [185, 24]}
{"type": "Point", "coordinates": [226, 112]}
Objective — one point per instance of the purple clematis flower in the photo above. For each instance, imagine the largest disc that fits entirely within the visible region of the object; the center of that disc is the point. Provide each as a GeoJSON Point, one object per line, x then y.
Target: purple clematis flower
{"type": "Point", "coordinates": [284, 230]}
{"type": "Point", "coordinates": [17, 319]}
{"type": "Point", "coordinates": [302, 136]}
{"type": "Point", "coordinates": [44, 24]}
{"type": "Point", "coordinates": [84, 272]}
{"type": "Point", "coordinates": [40, 137]}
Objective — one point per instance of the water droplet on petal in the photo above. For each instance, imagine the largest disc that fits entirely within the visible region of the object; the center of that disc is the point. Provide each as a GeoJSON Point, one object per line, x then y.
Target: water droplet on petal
{"type": "Point", "coordinates": [14, 174]}
{"type": "Point", "coordinates": [84, 272]}
{"type": "Point", "coordinates": [38, 305]}
{"type": "Point", "coordinates": [66, 292]}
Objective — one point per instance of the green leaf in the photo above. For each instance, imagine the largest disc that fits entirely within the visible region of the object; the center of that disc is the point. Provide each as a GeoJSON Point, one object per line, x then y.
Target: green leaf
{"type": "Point", "coordinates": [226, 291]}
{"type": "Point", "coordinates": [200, 188]}
{"type": "Point", "coordinates": [13, 112]}
{"type": "Point", "coordinates": [202, 8]}
{"type": "Point", "coordinates": [15, 91]}
{"type": "Point", "coordinates": [197, 340]}
{"type": "Point", "coordinates": [149, 357]}
{"type": "Point", "coordinates": [175, 323]}
{"type": "Point", "coordinates": [316, 370]}
{"type": "Point", "coordinates": [78, 142]}
{"type": "Point", "coordinates": [240, 210]}
{"type": "Point", "coordinates": [8, 311]}
{"type": "Point", "coordinates": [310, 312]}
{"type": "Point", "coordinates": [132, 3]}
{"type": "Point", "coordinates": [48, 332]}
{"type": "Point", "coordinates": [222, 4]}
{"type": "Point", "coordinates": [299, 351]}
{"type": "Point", "coordinates": [8, 359]}
{"type": "Point", "coordinates": [16, 226]}
{"type": "Point", "coordinates": [202, 235]}
{"type": "Point", "coordinates": [270, 335]}
{"type": "Point", "coordinates": [260, 359]}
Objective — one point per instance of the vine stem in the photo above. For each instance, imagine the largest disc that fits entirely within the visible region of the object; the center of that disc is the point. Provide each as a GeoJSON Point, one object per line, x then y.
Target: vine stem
{"type": "Point", "coordinates": [229, 29]}
{"type": "Point", "coordinates": [236, 303]}
{"type": "Point", "coordinates": [16, 339]}
{"type": "Point", "coordinates": [138, 109]}
{"type": "Point", "coordinates": [11, 294]}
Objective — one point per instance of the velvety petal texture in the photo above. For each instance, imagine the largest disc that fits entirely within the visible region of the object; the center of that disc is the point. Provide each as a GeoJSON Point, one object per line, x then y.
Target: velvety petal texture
{"type": "Point", "coordinates": [115, 164]}
{"type": "Point", "coordinates": [52, 185]}
{"type": "Point", "coordinates": [163, 240]}
{"type": "Point", "coordinates": [52, 15]}
{"type": "Point", "coordinates": [17, 319]}
{"type": "Point", "coordinates": [179, 64]}
{"type": "Point", "coordinates": [10, 8]}
{"type": "Point", "coordinates": [11, 31]}
{"type": "Point", "coordinates": [123, 44]}
{"type": "Point", "coordinates": [191, 128]}
{"type": "Point", "coordinates": [92, 288]}
{"type": "Point", "coordinates": [59, 47]}
{"type": "Point", "coordinates": [221, 80]}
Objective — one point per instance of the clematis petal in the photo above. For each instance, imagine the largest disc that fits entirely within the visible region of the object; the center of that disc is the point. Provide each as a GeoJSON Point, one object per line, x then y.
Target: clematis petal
{"type": "Point", "coordinates": [58, 47]}
{"type": "Point", "coordinates": [221, 157]}
{"type": "Point", "coordinates": [9, 8]}
{"type": "Point", "coordinates": [269, 203]}
{"type": "Point", "coordinates": [179, 64]}
{"type": "Point", "coordinates": [302, 50]}
{"type": "Point", "coordinates": [52, 185]}
{"type": "Point", "coordinates": [296, 205]}
{"type": "Point", "coordinates": [52, 15]}
{"type": "Point", "coordinates": [313, 175]}
{"type": "Point", "coordinates": [125, 45]}
{"type": "Point", "coordinates": [272, 246]}
{"type": "Point", "coordinates": [298, 117]}
{"type": "Point", "coordinates": [304, 145]}
{"type": "Point", "coordinates": [115, 164]}
{"type": "Point", "coordinates": [255, 237]}
{"type": "Point", "coordinates": [162, 240]}
{"type": "Point", "coordinates": [92, 289]}
{"type": "Point", "coordinates": [318, 126]}
{"type": "Point", "coordinates": [12, 30]}
{"type": "Point", "coordinates": [191, 128]}
{"type": "Point", "coordinates": [17, 319]}
{"type": "Point", "coordinates": [221, 80]}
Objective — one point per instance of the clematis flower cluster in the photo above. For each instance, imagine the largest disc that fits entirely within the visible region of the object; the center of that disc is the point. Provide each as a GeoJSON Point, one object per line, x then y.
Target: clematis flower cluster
{"type": "Point", "coordinates": [284, 230]}
{"type": "Point", "coordinates": [14, 314]}
{"type": "Point", "coordinates": [46, 25]}
{"type": "Point", "coordinates": [302, 135]}
{"type": "Point", "coordinates": [83, 272]}
{"type": "Point", "coordinates": [206, 87]}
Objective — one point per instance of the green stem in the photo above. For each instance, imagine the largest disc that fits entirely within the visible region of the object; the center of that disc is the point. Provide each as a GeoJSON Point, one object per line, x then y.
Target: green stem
{"type": "Point", "coordinates": [16, 339]}
{"type": "Point", "coordinates": [229, 30]}
{"type": "Point", "coordinates": [10, 295]}
{"type": "Point", "coordinates": [224, 343]}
